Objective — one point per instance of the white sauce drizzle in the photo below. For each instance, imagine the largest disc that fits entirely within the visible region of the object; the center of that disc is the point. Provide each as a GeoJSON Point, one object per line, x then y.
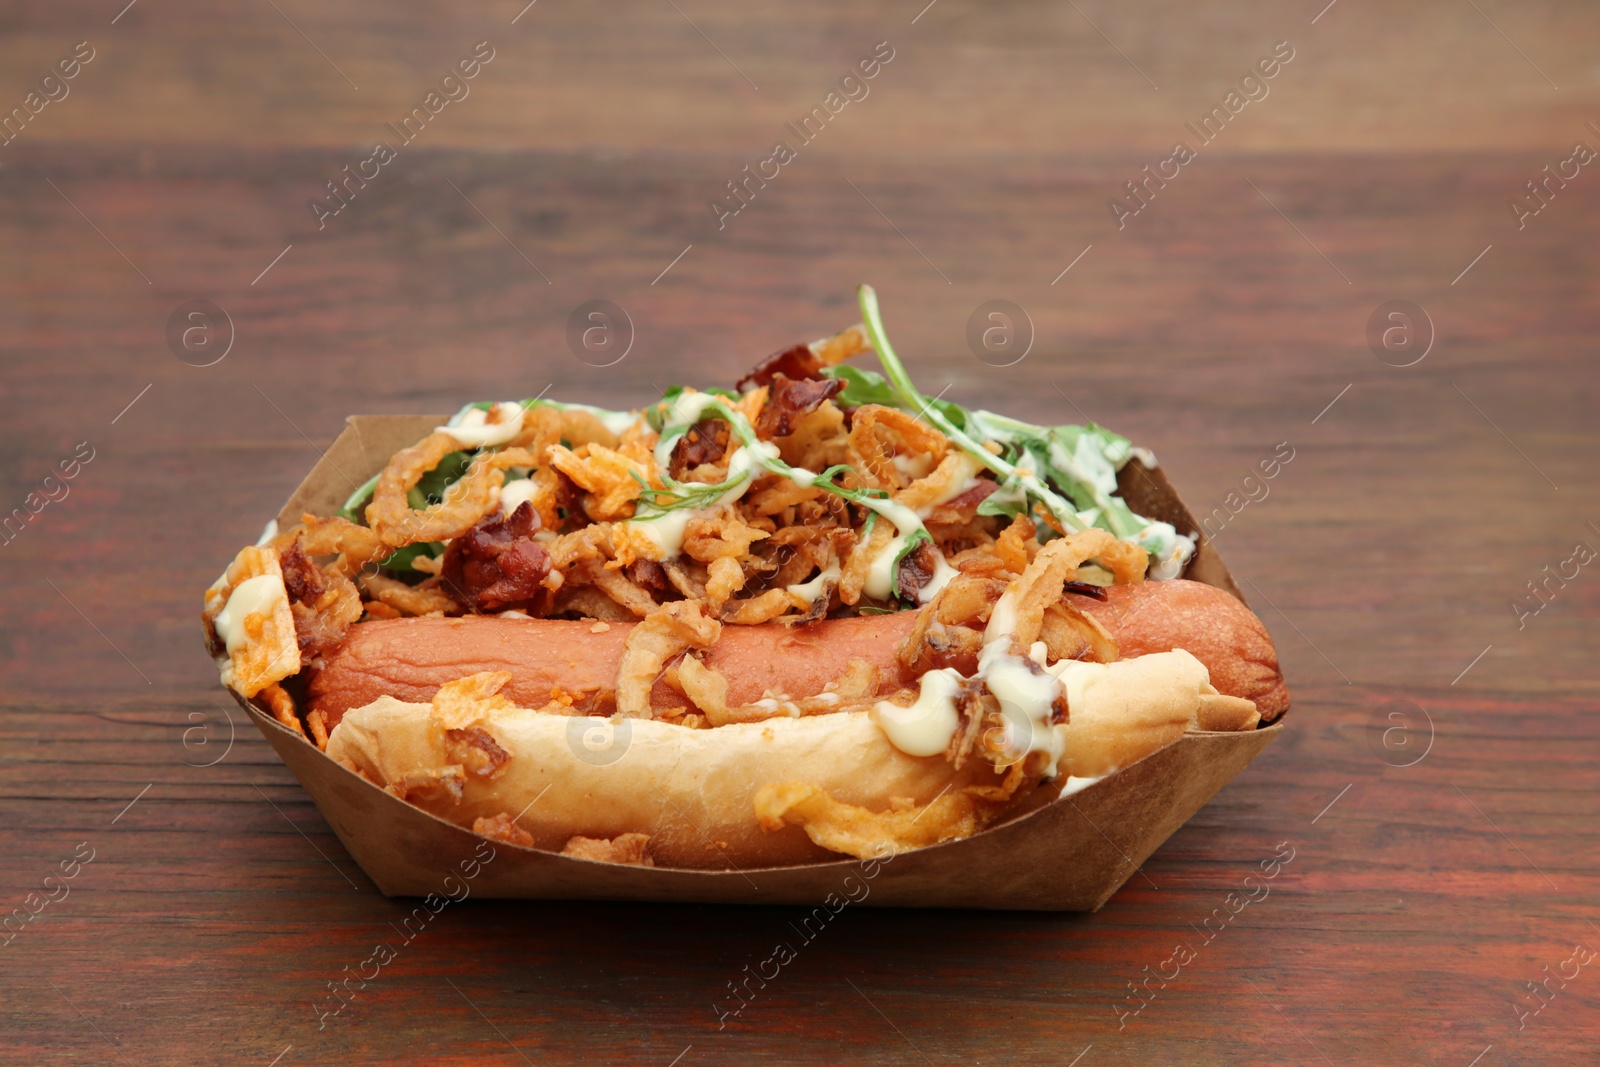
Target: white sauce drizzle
{"type": "Point", "coordinates": [666, 530]}
{"type": "Point", "coordinates": [926, 727]}
{"type": "Point", "coordinates": [1027, 699]}
{"type": "Point", "coordinates": [809, 591]}
{"type": "Point", "coordinates": [253, 596]}
{"type": "Point", "coordinates": [472, 429]}
{"type": "Point", "coordinates": [514, 494]}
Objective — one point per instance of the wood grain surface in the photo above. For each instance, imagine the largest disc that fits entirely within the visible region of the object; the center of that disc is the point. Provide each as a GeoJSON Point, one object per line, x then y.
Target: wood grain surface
{"type": "Point", "coordinates": [1437, 785]}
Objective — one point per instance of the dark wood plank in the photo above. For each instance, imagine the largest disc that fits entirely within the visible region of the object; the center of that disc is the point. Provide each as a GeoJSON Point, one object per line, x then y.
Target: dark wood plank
{"type": "Point", "coordinates": [1222, 320]}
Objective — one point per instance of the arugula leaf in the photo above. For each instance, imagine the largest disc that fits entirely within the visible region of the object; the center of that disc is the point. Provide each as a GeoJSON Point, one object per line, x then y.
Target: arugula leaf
{"type": "Point", "coordinates": [917, 538]}
{"type": "Point", "coordinates": [1070, 470]}
{"type": "Point", "coordinates": [355, 507]}
{"type": "Point", "coordinates": [430, 488]}
{"type": "Point", "coordinates": [861, 386]}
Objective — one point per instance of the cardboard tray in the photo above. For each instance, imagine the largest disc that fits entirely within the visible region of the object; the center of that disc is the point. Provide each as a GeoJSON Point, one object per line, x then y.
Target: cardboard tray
{"type": "Point", "coordinates": [1069, 854]}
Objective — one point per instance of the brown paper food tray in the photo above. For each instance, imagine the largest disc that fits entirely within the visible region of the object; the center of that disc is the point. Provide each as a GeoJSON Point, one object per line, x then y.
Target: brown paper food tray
{"type": "Point", "coordinates": [1068, 854]}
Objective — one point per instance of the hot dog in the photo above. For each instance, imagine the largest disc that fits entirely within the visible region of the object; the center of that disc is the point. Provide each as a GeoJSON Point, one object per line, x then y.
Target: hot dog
{"type": "Point", "coordinates": [825, 613]}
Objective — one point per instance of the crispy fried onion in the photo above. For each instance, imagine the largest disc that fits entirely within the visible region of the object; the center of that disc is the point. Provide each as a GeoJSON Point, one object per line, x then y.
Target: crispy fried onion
{"type": "Point", "coordinates": [721, 533]}
{"type": "Point", "coordinates": [503, 828]}
{"type": "Point", "coordinates": [860, 832]}
{"type": "Point", "coordinates": [626, 592]}
{"type": "Point", "coordinates": [425, 598]}
{"type": "Point", "coordinates": [706, 688]}
{"type": "Point", "coordinates": [282, 706]}
{"type": "Point", "coordinates": [612, 480]}
{"type": "Point", "coordinates": [424, 785]}
{"type": "Point", "coordinates": [1070, 634]}
{"type": "Point", "coordinates": [878, 434]}
{"type": "Point", "coordinates": [270, 649]}
{"type": "Point", "coordinates": [544, 425]}
{"type": "Point", "coordinates": [354, 545]}
{"type": "Point", "coordinates": [466, 501]}
{"type": "Point", "coordinates": [668, 630]}
{"type": "Point", "coordinates": [470, 700]}
{"type": "Point", "coordinates": [949, 630]}
{"type": "Point", "coordinates": [632, 849]}
{"type": "Point", "coordinates": [1041, 585]}
{"type": "Point", "coordinates": [496, 564]}
{"type": "Point", "coordinates": [317, 721]}
{"type": "Point", "coordinates": [1017, 544]}
{"type": "Point", "coordinates": [856, 689]}
{"type": "Point", "coordinates": [589, 602]}
{"type": "Point", "coordinates": [464, 710]}
{"type": "Point", "coordinates": [724, 577]}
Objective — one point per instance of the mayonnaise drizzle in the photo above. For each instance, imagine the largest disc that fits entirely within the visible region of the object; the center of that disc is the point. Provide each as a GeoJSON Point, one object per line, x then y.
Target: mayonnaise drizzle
{"type": "Point", "coordinates": [513, 494]}
{"type": "Point", "coordinates": [927, 726]}
{"type": "Point", "coordinates": [472, 428]}
{"type": "Point", "coordinates": [253, 596]}
{"type": "Point", "coordinates": [1027, 698]}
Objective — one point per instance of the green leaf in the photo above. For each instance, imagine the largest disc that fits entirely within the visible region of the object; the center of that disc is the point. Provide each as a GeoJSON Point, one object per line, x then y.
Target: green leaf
{"type": "Point", "coordinates": [355, 507]}
{"type": "Point", "coordinates": [861, 387]}
{"type": "Point", "coordinates": [430, 488]}
{"type": "Point", "coordinates": [1007, 500]}
{"type": "Point", "coordinates": [909, 547]}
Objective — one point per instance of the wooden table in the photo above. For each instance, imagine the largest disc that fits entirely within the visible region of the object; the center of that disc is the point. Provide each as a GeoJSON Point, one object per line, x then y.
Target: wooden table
{"type": "Point", "coordinates": [1438, 781]}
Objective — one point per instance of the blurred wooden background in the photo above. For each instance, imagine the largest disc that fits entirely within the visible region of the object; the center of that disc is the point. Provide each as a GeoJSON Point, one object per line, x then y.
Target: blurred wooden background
{"type": "Point", "coordinates": [1223, 319]}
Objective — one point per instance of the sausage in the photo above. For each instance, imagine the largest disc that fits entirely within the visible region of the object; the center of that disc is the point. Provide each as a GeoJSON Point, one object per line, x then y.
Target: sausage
{"type": "Point", "coordinates": [410, 658]}
{"type": "Point", "coordinates": [1210, 623]}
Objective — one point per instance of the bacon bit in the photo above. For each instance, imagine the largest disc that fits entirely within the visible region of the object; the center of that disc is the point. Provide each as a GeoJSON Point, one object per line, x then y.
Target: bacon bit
{"type": "Point", "coordinates": [1085, 589]}
{"type": "Point", "coordinates": [917, 569]}
{"type": "Point", "coordinates": [302, 579]}
{"type": "Point", "coordinates": [791, 401]}
{"type": "Point", "coordinates": [503, 829]}
{"type": "Point", "coordinates": [497, 564]}
{"type": "Point", "coordinates": [704, 442]}
{"type": "Point", "coordinates": [797, 363]}
{"type": "Point", "coordinates": [974, 713]}
{"type": "Point", "coordinates": [648, 574]}
{"type": "Point", "coordinates": [974, 496]}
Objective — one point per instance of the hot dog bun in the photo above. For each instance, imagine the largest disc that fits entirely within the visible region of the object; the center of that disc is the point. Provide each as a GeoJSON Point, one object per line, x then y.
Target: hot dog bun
{"type": "Point", "coordinates": [691, 791]}
{"type": "Point", "coordinates": [746, 794]}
